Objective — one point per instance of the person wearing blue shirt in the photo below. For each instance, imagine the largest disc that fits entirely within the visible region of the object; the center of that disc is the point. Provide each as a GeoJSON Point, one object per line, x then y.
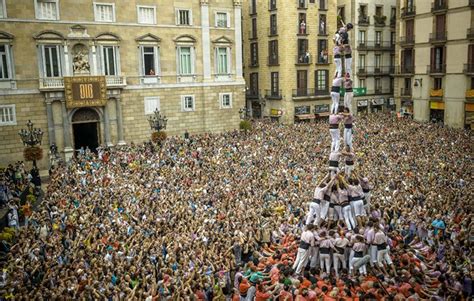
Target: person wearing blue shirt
{"type": "Point", "coordinates": [438, 224]}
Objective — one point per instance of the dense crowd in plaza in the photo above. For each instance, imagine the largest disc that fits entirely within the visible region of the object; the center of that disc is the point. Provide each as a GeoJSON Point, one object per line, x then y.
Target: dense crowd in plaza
{"type": "Point", "coordinates": [220, 216]}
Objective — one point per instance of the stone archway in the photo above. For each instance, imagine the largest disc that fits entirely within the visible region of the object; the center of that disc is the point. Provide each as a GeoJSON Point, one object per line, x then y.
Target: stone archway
{"type": "Point", "coordinates": [85, 127]}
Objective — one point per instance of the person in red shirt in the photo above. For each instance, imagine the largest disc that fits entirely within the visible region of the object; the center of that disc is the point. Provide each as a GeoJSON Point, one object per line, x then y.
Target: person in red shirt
{"type": "Point", "coordinates": [285, 294]}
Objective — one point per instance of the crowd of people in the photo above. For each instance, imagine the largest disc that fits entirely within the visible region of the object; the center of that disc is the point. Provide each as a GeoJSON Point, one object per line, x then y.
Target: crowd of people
{"type": "Point", "coordinates": [221, 216]}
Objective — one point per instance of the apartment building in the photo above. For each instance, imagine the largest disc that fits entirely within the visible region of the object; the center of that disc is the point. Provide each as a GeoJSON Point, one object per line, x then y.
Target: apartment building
{"type": "Point", "coordinates": [90, 73]}
{"type": "Point", "coordinates": [373, 52]}
{"type": "Point", "coordinates": [288, 57]}
{"type": "Point", "coordinates": [435, 59]}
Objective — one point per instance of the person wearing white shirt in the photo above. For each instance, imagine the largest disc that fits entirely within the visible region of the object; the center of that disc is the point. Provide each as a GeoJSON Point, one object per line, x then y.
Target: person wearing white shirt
{"type": "Point", "coordinates": [306, 241]}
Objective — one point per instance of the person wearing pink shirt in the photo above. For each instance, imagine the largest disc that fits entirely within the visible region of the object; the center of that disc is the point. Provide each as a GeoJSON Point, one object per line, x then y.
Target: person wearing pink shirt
{"type": "Point", "coordinates": [307, 240]}
{"type": "Point", "coordinates": [336, 94]}
{"type": "Point", "coordinates": [346, 210]}
{"type": "Point", "coordinates": [359, 248]}
{"type": "Point", "coordinates": [334, 120]}
{"type": "Point", "coordinates": [369, 236]}
{"type": "Point", "coordinates": [314, 214]}
{"type": "Point", "coordinates": [348, 123]}
{"type": "Point", "coordinates": [348, 94]}
{"type": "Point", "coordinates": [334, 163]}
{"type": "Point", "coordinates": [325, 246]}
{"type": "Point", "coordinates": [338, 60]}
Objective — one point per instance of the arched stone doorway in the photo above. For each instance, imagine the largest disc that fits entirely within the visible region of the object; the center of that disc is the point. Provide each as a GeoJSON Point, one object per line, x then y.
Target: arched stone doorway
{"type": "Point", "coordinates": [85, 126]}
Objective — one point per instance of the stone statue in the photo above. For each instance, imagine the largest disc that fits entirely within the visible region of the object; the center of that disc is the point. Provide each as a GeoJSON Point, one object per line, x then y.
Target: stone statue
{"type": "Point", "coordinates": [81, 62]}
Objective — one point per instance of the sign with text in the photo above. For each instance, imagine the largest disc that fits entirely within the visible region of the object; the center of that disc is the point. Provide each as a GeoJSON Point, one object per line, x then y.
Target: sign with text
{"type": "Point", "coordinates": [85, 91]}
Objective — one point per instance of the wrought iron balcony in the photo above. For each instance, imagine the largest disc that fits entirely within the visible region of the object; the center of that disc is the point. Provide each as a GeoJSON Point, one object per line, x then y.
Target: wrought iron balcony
{"type": "Point", "coordinates": [273, 94]}
{"type": "Point", "coordinates": [376, 45]}
{"type": "Point", "coordinates": [405, 70]}
{"type": "Point", "coordinates": [252, 94]}
{"type": "Point", "coordinates": [409, 11]}
{"type": "Point", "coordinates": [436, 69]}
{"type": "Point", "coordinates": [439, 6]}
{"type": "Point", "coordinates": [469, 69]}
{"type": "Point", "coordinates": [405, 92]}
{"type": "Point", "coordinates": [407, 41]}
{"type": "Point", "coordinates": [470, 33]}
{"type": "Point", "coordinates": [379, 20]}
{"type": "Point", "coordinates": [436, 93]}
{"type": "Point", "coordinates": [438, 37]}
{"type": "Point", "coordinates": [273, 61]}
{"type": "Point", "coordinates": [364, 20]}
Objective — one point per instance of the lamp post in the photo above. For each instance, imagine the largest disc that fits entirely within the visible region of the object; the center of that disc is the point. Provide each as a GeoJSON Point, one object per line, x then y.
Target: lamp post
{"type": "Point", "coordinates": [157, 121]}
{"type": "Point", "coordinates": [31, 137]}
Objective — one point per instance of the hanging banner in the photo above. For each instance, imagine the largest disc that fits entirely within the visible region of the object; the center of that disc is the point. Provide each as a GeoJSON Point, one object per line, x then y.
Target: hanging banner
{"type": "Point", "coordinates": [437, 105]}
{"type": "Point", "coordinates": [85, 91]}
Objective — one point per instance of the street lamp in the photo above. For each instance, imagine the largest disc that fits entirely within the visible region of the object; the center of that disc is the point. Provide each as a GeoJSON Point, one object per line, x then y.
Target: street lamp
{"type": "Point", "coordinates": [31, 138]}
{"type": "Point", "coordinates": [157, 121]}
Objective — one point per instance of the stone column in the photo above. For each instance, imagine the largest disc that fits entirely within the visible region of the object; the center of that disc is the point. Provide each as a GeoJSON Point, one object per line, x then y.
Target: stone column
{"type": "Point", "coordinates": [238, 38]}
{"type": "Point", "coordinates": [49, 113]}
{"type": "Point", "coordinates": [118, 112]}
{"type": "Point", "coordinates": [68, 150]}
{"type": "Point", "coordinates": [206, 40]}
{"type": "Point", "coordinates": [67, 68]}
{"type": "Point", "coordinates": [107, 126]}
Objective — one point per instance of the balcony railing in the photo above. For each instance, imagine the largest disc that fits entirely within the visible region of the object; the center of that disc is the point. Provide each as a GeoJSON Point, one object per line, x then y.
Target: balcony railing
{"type": "Point", "coordinates": [436, 69]}
{"type": "Point", "coordinates": [51, 83]}
{"type": "Point", "coordinates": [273, 61]}
{"type": "Point", "coordinates": [252, 94]}
{"type": "Point", "coordinates": [439, 6]}
{"type": "Point", "coordinates": [57, 83]}
{"type": "Point", "coordinates": [436, 93]}
{"type": "Point", "coordinates": [404, 70]}
{"type": "Point", "coordinates": [405, 92]}
{"type": "Point", "coordinates": [324, 60]}
{"type": "Point", "coordinates": [273, 94]}
{"type": "Point", "coordinates": [470, 33]}
{"type": "Point", "coordinates": [272, 31]}
{"type": "Point", "coordinates": [376, 45]}
{"type": "Point", "coordinates": [438, 37]}
{"type": "Point", "coordinates": [310, 92]}
{"type": "Point", "coordinates": [407, 41]}
{"type": "Point", "coordinates": [364, 20]}
{"type": "Point", "coordinates": [379, 20]}
{"type": "Point", "coordinates": [408, 11]}
{"type": "Point", "coordinates": [303, 59]}
{"type": "Point", "coordinates": [116, 81]}
{"type": "Point", "coordinates": [469, 69]}
{"type": "Point", "coordinates": [375, 71]}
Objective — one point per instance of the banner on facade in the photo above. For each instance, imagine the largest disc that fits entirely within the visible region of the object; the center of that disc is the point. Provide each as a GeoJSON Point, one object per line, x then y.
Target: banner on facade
{"type": "Point", "coordinates": [362, 103]}
{"type": "Point", "coordinates": [85, 91]}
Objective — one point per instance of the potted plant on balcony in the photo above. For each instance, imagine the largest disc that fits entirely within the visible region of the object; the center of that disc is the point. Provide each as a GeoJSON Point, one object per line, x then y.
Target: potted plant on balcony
{"type": "Point", "coordinates": [379, 19]}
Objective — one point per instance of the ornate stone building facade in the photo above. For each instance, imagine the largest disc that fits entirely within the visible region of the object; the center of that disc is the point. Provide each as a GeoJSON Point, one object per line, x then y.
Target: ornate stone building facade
{"type": "Point", "coordinates": [288, 57]}
{"type": "Point", "coordinates": [181, 57]}
{"type": "Point", "coordinates": [435, 59]}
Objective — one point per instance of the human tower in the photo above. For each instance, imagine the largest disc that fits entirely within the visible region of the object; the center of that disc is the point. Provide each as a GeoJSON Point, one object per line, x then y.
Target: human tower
{"type": "Point", "coordinates": [341, 200]}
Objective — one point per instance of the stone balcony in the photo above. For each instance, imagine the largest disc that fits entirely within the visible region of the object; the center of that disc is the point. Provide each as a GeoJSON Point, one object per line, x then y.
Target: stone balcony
{"type": "Point", "coordinates": [57, 83]}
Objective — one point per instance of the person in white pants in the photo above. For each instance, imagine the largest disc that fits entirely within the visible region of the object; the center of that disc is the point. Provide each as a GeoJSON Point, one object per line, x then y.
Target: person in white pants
{"type": "Point", "coordinates": [338, 60]}
{"type": "Point", "coordinates": [334, 120]}
{"type": "Point", "coordinates": [366, 188]}
{"type": "Point", "coordinates": [307, 240]}
{"type": "Point", "coordinates": [357, 200]}
{"type": "Point", "coordinates": [336, 94]}
{"type": "Point", "coordinates": [349, 161]}
{"type": "Point", "coordinates": [369, 239]}
{"type": "Point", "coordinates": [314, 214]}
{"type": "Point", "coordinates": [359, 249]}
{"type": "Point", "coordinates": [348, 93]}
{"type": "Point", "coordinates": [346, 207]}
{"type": "Point", "coordinates": [348, 123]}
{"type": "Point", "coordinates": [334, 163]}
{"type": "Point", "coordinates": [339, 257]}
{"type": "Point", "coordinates": [348, 60]}
{"type": "Point", "coordinates": [325, 246]}
{"type": "Point", "coordinates": [383, 255]}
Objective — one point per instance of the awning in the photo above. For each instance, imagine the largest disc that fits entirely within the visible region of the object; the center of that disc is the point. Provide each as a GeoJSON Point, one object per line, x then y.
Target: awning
{"type": "Point", "coordinates": [436, 105]}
